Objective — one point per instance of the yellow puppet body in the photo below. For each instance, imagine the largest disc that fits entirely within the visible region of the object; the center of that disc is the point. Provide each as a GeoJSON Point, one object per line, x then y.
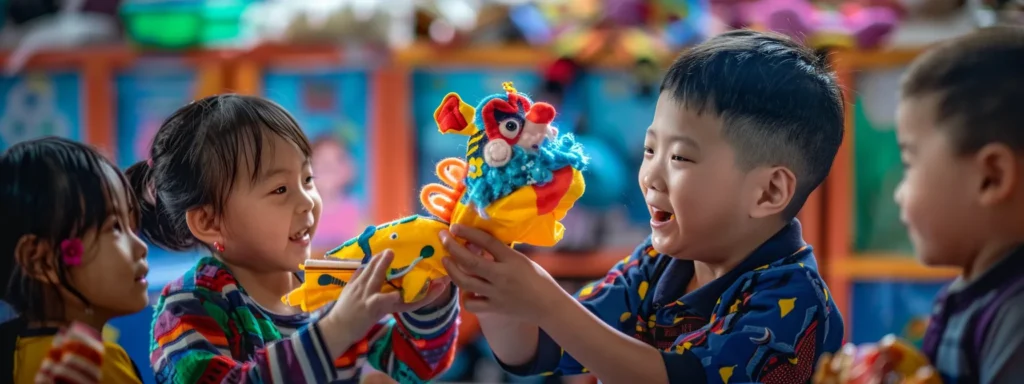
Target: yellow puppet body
{"type": "Point", "coordinates": [475, 193]}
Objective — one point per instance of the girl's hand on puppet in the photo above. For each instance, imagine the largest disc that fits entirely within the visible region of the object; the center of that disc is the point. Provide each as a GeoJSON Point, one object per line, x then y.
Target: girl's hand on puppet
{"type": "Point", "coordinates": [508, 283]}
{"type": "Point", "coordinates": [362, 304]}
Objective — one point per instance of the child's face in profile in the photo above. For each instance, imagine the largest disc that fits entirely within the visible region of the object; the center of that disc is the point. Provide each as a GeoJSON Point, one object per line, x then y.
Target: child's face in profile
{"type": "Point", "coordinates": [937, 193]}
{"type": "Point", "coordinates": [694, 190]}
{"type": "Point", "coordinates": [112, 273]}
{"type": "Point", "coordinates": [268, 224]}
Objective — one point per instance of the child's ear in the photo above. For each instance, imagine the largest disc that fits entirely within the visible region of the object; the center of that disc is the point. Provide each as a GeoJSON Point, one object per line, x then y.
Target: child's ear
{"type": "Point", "coordinates": [997, 164]}
{"type": "Point", "coordinates": [774, 190]}
{"type": "Point", "coordinates": [204, 225]}
{"type": "Point", "coordinates": [35, 256]}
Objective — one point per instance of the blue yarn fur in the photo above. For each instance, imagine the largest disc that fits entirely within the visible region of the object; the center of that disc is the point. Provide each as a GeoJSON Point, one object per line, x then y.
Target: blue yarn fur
{"type": "Point", "coordinates": [524, 169]}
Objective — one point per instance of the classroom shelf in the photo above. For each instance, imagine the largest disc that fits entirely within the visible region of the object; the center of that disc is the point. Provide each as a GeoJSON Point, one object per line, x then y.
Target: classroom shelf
{"type": "Point", "coordinates": [863, 267]}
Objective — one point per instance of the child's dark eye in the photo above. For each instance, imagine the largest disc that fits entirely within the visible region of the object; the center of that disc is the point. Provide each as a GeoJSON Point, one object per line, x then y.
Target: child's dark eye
{"type": "Point", "coordinates": [280, 191]}
{"type": "Point", "coordinates": [117, 226]}
{"type": "Point", "coordinates": [648, 150]}
{"type": "Point", "coordinates": [680, 158]}
{"type": "Point", "coordinates": [309, 180]}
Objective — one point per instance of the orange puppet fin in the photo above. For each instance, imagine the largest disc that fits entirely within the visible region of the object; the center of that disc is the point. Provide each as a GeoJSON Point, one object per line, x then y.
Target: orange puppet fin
{"type": "Point", "coordinates": [440, 200]}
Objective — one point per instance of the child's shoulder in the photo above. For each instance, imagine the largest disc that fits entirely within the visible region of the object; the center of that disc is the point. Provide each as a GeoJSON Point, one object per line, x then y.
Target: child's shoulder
{"type": "Point", "coordinates": [792, 276]}
{"type": "Point", "coordinates": [209, 277]}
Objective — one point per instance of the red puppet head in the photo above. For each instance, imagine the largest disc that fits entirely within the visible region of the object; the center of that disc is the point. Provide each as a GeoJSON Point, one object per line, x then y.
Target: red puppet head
{"type": "Point", "coordinates": [514, 120]}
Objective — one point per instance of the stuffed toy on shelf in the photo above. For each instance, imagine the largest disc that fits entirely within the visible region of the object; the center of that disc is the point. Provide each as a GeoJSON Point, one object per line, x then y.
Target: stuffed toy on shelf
{"type": "Point", "coordinates": [891, 360]}
{"type": "Point", "coordinates": [517, 182]}
{"type": "Point", "coordinates": [820, 25]}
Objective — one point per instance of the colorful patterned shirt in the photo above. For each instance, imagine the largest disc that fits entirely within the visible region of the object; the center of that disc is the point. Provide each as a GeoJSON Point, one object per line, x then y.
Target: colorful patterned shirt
{"type": "Point", "coordinates": [206, 329]}
{"type": "Point", "coordinates": [767, 321]}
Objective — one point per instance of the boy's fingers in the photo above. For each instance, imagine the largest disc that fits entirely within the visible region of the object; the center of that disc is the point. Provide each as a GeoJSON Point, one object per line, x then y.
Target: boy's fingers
{"type": "Point", "coordinates": [466, 259]}
{"type": "Point", "coordinates": [463, 279]}
{"type": "Point", "coordinates": [477, 304]}
{"type": "Point", "coordinates": [379, 271]}
{"type": "Point", "coordinates": [482, 239]}
{"type": "Point", "coordinates": [386, 301]}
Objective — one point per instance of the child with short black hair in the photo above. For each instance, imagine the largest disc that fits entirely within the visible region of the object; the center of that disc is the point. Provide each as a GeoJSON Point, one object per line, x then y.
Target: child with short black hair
{"type": "Point", "coordinates": [231, 174]}
{"type": "Point", "coordinates": [725, 289]}
{"type": "Point", "coordinates": [70, 255]}
{"type": "Point", "coordinates": [961, 135]}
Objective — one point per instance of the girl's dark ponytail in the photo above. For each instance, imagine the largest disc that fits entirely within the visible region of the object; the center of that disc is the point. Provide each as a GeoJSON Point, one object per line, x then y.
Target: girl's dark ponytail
{"type": "Point", "coordinates": [156, 224]}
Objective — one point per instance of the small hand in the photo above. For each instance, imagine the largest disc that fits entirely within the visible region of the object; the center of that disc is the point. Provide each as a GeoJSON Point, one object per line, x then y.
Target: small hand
{"type": "Point", "coordinates": [510, 284]}
{"type": "Point", "coordinates": [362, 303]}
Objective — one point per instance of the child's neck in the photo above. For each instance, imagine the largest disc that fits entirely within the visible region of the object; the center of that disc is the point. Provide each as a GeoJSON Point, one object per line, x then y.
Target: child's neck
{"type": "Point", "coordinates": [267, 288]}
{"type": "Point", "coordinates": [73, 313]}
{"type": "Point", "coordinates": [709, 270]}
{"type": "Point", "coordinates": [991, 254]}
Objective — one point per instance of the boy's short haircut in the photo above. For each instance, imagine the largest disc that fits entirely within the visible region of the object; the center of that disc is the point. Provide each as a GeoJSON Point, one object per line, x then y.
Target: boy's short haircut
{"type": "Point", "coordinates": [979, 82]}
{"type": "Point", "coordinates": [779, 102]}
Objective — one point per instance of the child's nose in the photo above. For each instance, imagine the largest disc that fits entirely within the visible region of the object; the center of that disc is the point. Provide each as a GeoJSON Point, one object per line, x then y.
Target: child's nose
{"type": "Point", "coordinates": [653, 180]}
{"type": "Point", "coordinates": [308, 201]}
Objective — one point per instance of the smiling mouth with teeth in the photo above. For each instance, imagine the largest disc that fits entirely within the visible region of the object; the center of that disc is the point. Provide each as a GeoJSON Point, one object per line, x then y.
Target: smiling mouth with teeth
{"type": "Point", "coordinates": [300, 236]}
{"type": "Point", "coordinates": [662, 216]}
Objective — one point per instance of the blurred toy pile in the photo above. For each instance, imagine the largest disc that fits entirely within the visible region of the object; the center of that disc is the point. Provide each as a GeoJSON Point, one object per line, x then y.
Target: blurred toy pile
{"type": "Point", "coordinates": [579, 32]}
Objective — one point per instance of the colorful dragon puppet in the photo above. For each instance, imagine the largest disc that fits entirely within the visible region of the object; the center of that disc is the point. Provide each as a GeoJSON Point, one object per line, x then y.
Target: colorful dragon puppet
{"type": "Point", "coordinates": [518, 180]}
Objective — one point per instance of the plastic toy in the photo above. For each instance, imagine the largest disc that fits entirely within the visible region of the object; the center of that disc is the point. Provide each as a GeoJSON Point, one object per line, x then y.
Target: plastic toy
{"type": "Point", "coordinates": [849, 26]}
{"type": "Point", "coordinates": [891, 360]}
{"type": "Point", "coordinates": [518, 181]}
{"type": "Point", "coordinates": [74, 358]}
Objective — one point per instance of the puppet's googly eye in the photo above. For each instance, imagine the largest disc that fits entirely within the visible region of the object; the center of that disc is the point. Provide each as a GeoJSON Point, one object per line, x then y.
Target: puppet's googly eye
{"type": "Point", "coordinates": [510, 128]}
{"type": "Point", "coordinates": [394, 236]}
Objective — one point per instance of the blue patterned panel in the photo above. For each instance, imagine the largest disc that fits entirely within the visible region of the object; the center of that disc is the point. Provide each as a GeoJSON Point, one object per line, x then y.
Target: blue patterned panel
{"type": "Point", "coordinates": [897, 307]}
{"type": "Point", "coordinates": [145, 98]}
{"type": "Point", "coordinates": [40, 104]}
{"type": "Point", "coordinates": [619, 116]}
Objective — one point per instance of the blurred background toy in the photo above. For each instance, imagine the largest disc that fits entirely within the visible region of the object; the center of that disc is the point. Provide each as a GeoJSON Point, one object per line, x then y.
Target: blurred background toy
{"type": "Point", "coordinates": [891, 360]}
{"type": "Point", "coordinates": [849, 25]}
{"type": "Point", "coordinates": [363, 79]}
{"type": "Point", "coordinates": [42, 25]}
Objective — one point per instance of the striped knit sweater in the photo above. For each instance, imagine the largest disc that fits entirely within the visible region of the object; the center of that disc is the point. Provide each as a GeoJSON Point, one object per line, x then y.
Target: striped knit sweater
{"type": "Point", "coordinates": [206, 329]}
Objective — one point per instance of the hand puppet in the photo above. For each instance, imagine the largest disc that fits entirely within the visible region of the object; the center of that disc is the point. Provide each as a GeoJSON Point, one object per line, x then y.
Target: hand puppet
{"type": "Point", "coordinates": [518, 180]}
{"type": "Point", "coordinates": [889, 361]}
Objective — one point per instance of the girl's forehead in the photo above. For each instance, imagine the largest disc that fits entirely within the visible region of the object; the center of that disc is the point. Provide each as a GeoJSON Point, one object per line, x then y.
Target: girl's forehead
{"type": "Point", "coordinates": [275, 154]}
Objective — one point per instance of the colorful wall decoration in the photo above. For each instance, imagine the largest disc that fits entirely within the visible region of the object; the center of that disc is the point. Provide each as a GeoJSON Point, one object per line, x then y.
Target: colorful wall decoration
{"type": "Point", "coordinates": [39, 104]}
{"type": "Point", "coordinates": [329, 107]}
{"type": "Point", "coordinates": [146, 96]}
{"type": "Point", "coordinates": [877, 167]}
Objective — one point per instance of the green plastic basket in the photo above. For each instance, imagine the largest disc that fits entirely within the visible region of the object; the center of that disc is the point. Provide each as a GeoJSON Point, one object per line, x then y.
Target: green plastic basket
{"type": "Point", "coordinates": [183, 24]}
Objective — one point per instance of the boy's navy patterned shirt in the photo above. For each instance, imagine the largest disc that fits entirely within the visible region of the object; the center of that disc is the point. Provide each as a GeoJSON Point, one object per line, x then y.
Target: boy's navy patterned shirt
{"type": "Point", "coordinates": [767, 321]}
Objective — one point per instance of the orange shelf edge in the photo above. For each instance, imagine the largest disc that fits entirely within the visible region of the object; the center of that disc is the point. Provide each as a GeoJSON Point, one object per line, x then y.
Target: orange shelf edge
{"type": "Point", "coordinates": [890, 267]}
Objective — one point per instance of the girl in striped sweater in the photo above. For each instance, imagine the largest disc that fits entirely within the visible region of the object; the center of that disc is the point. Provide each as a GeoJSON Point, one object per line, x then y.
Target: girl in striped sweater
{"type": "Point", "coordinates": [71, 261]}
{"type": "Point", "coordinates": [232, 174]}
